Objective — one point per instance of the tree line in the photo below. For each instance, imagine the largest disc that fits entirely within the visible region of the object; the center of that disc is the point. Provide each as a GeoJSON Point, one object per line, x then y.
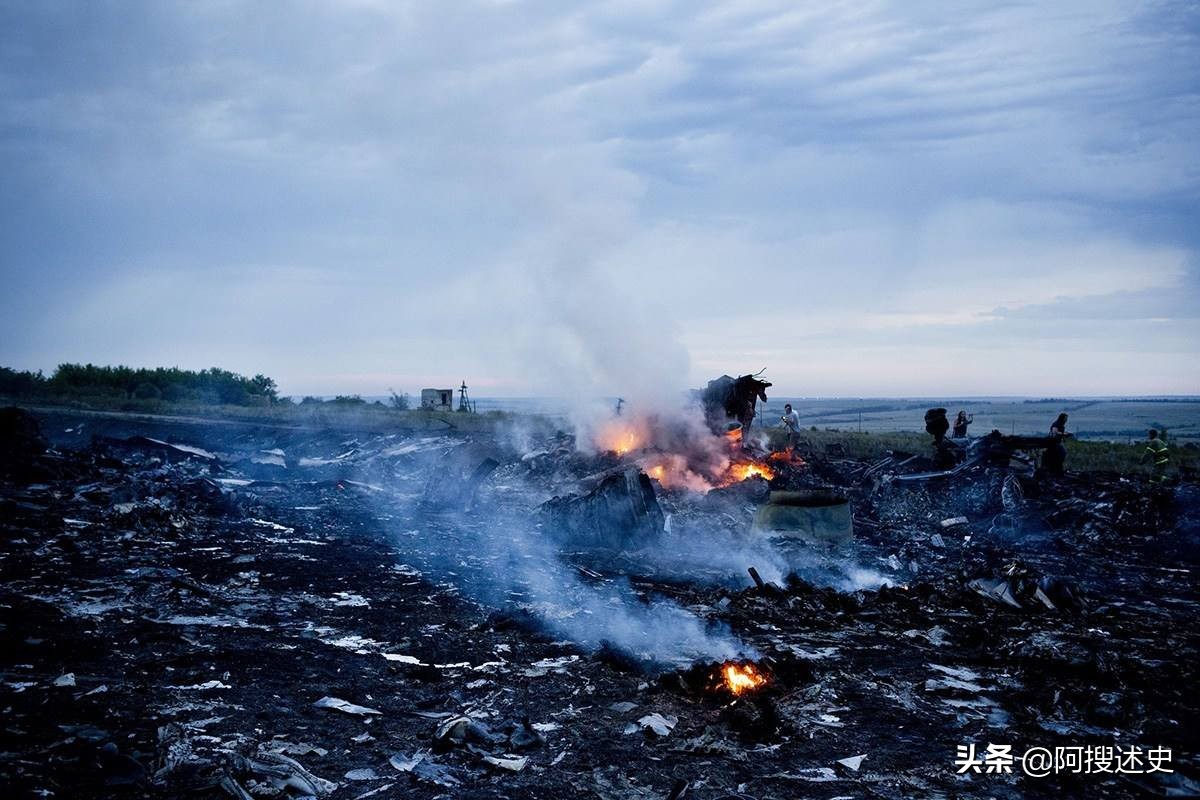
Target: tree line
{"type": "Point", "coordinates": [213, 386]}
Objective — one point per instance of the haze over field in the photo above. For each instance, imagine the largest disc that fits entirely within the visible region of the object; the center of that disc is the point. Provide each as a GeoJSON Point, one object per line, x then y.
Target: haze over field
{"type": "Point", "coordinates": [869, 199]}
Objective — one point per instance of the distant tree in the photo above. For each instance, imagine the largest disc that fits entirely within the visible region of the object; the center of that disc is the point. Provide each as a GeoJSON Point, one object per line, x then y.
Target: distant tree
{"type": "Point", "coordinates": [213, 385]}
{"type": "Point", "coordinates": [309, 400]}
{"type": "Point", "coordinates": [400, 402]}
{"type": "Point", "coordinates": [265, 386]}
{"type": "Point", "coordinates": [348, 400]}
{"type": "Point", "coordinates": [21, 383]}
{"type": "Point", "coordinates": [147, 391]}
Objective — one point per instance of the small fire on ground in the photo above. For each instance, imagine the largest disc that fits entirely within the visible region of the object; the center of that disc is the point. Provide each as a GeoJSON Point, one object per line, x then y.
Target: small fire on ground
{"type": "Point", "coordinates": [738, 678]}
{"type": "Point", "coordinates": [750, 469]}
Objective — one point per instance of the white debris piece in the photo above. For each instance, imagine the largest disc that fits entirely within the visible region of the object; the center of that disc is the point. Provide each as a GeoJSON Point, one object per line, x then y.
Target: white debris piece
{"type": "Point", "coordinates": [658, 724]}
{"type": "Point", "coordinates": [204, 687]}
{"type": "Point", "coordinates": [211, 621]}
{"type": "Point", "coordinates": [951, 684]}
{"type": "Point", "coordinates": [406, 764]}
{"type": "Point", "coordinates": [65, 680]}
{"type": "Point", "coordinates": [996, 589]}
{"type": "Point", "coordinates": [365, 774]}
{"type": "Point", "coordinates": [953, 521]}
{"type": "Point", "coordinates": [509, 762]}
{"type": "Point", "coordinates": [809, 774]}
{"type": "Point", "coordinates": [346, 707]}
{"type": "Point", "coordinates": [186, 448]}
{"type": "Point", "coordinates": [273, 458]}
{"type": "Point", "coordinates": [403, 659]}
{"type": "Point", "coordinates": [350, 599]}
{"type": "Point", "coordinates": [275, 526]}
{"type": "Point", "coordinates": [961, 673]}
{"type": "Point", "coordinates": [374, 792]}
{"type": "Point", "coordinates": [299, 749]}
{"type": "Point", "coordinates": [548, 665]}
{"type": "Point", "coordinates": [853, 762]}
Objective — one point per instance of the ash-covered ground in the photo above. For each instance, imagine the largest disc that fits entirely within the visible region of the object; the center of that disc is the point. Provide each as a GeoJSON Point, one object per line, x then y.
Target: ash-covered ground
{"type": "Point", "coordinates": [200, 610]}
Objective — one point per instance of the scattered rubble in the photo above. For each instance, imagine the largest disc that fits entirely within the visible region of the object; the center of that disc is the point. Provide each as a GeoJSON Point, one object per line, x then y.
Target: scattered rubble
{"type": "Point", "coordinates": [179, 618]}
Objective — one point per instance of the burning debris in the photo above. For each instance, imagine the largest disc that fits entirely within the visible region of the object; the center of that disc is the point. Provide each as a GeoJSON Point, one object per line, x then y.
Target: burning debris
{"type": "Point", "coordinates": [415, 614]}
{"type": "Point", "coordinates": [741, 678]}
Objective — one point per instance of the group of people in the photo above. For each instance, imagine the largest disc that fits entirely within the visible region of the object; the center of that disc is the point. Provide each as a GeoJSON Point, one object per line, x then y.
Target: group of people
{"type": "Point", "coordinates": [1054, 457]}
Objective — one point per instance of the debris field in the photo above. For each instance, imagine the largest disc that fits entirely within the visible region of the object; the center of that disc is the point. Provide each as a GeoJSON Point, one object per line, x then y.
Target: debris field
{"type": "Point", "coordinates": [207, 610]}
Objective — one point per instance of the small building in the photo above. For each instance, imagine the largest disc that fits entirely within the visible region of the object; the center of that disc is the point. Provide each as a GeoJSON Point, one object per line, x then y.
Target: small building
{"type": "Point", "coordinates": [437, 399]}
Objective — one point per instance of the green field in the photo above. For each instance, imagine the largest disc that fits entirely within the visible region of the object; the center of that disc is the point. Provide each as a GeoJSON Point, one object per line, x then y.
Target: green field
{"type": "Point", "coordinates": [1082, 455]}
{"type": "Point", "coordinates": [1117, 420]}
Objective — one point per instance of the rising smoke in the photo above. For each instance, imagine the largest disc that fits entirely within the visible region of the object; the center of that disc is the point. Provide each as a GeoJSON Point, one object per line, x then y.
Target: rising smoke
{"type": "Point", "coordinates": [503, 561]}
{"type": "Point", "coordinates": [587, 342]}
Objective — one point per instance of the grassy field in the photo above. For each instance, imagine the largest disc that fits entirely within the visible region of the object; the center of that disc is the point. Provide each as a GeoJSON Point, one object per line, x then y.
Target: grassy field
{"type": "Point", "coordinates": [1082, 456]}
{"type": "Point", "coordinates": [1091, 419]}
{"type": "Point", "coordinates": [366, 418]}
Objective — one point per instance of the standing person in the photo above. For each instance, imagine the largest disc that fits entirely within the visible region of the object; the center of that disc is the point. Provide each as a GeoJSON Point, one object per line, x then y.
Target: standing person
{"type": "Point", "coordinates": [936, 425]}
{"type": "Point", "coordinates": [1059, 426]}
{"type": "Point", "coordinates": [1156, 453]}
{"type": "Point", "coordinates": [791, 421]}
{"type": "Point", "coordinates": [1054, 460]}
{"type": "Point", "coordinates": [960, 424]}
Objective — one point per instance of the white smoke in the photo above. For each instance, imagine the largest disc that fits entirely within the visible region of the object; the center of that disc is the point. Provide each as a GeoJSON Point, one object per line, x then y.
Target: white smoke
{"type": "Point", "coordinates": [504, 562]}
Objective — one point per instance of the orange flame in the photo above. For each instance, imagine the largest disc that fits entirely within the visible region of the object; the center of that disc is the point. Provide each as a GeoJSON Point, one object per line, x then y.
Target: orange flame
{"type": "Point", "coordinates": [625, 444]}
{"type": "Point", "coordinates": [620, 437]}
{"type": "Point", "coordinates": [742, 678]}
{"type": "Point", "coordinates": [786, 456]}
{"type": "Point", "coordinates": [750, 469]}
{"type": "Point", "coordinates": [673, 472]}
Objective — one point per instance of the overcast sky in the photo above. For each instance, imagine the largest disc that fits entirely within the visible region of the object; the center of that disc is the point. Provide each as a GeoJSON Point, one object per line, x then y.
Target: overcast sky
{"type": "Point", "coordinates": [865, 198]}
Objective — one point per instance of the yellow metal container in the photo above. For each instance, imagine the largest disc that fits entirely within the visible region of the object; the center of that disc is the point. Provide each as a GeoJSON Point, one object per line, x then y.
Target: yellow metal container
{"type": "Point", "coordinates": [815, 516]}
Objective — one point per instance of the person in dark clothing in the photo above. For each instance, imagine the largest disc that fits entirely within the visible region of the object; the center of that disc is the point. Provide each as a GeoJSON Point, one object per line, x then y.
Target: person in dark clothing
{"type": "Point", "coordinates": [1059, 426]}
{"type": "Point", "coordinates": [1156, 453]}
{"type": "Point", "coordinates": [960, 424]}
{"type": "Point", "coordinates": [1054, 459]}
{"type": "Point", "coordinates": [936, 424]}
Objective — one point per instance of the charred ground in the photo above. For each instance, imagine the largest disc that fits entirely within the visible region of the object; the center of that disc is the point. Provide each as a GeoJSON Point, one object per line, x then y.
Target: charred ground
{"type": "Point", "coordinates": [171, 620]}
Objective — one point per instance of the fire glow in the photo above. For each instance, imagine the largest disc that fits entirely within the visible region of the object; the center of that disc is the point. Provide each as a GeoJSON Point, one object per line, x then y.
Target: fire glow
{"type": "Point", "coordinates": [750, 469]}
{"type": "Point", "coordinates": [691, 461]}
{"type": "Point", "coordinates": [742, 678]}
{"type": "Point", "coordinates": [620, 437]}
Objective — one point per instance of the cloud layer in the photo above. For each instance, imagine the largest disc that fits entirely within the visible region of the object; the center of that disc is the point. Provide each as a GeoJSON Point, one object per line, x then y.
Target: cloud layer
{"type": "Point", "coordinates": [868, 198]}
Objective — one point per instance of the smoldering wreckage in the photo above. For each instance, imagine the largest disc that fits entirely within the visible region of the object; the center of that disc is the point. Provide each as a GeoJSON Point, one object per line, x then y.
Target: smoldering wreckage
{"type": "Point", "coordinates": [653, 607]}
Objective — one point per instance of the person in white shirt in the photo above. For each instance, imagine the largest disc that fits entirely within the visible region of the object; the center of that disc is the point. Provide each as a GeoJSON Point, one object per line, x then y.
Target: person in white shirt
{"type": "Point", "coordinates": [791, 421]}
